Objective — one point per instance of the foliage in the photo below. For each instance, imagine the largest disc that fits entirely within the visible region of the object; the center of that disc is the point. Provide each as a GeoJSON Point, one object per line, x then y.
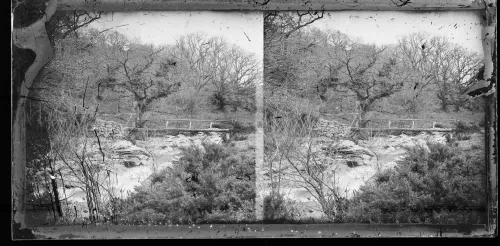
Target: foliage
{"type": "Point", "coordinates": [445, 185]}
{"type": "Point", "coordinates": [283, 107]}
{"type": "Point", "coordinates": [278, 209]}
{"type": "Point", "coordinates": [437, 125]}
{"type": "Point", "coordinates": [215, 184]}
{"type": "Point", "coordinates": [222, 73]}
{"type": "Point", "coordinates": [243, 127]}
{"type": "Point", "coordinates": [466, 127]}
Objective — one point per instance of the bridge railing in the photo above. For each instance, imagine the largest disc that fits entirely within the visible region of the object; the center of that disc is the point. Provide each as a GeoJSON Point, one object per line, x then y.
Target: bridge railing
{"type": "Point", "coordinates": [409, 123]}
{"type": "Point", "coordinates": [352, 119]}
{"type": "Point", "coordinates": [193, 123]}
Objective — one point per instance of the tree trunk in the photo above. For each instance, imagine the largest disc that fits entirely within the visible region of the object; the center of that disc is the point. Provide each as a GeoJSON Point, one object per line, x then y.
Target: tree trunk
{"type": "Point", "coordinates": [442, 97]}
{"type": "Point", "coordinates": [139, 109]}
{"type": "Point", "coordinates": [64, 190]}
{"type": "Point", "coordinates": [47, 187]}
{"type": "Point", "coordinates": [54, 190]}
{"type": "Point", "coordinates": [443, 101]}
{"type": "Point", "coordinates": [364, 108]}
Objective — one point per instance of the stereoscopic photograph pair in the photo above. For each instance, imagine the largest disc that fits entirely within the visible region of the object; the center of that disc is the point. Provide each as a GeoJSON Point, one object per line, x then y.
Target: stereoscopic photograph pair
{"type": "Point", "coordinates": [252, 123]}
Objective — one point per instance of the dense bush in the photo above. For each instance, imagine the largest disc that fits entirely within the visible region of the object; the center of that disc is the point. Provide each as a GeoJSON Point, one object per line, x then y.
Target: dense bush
{"type": "Point", "coordinates": [445, 185]}
{"type": "Point", "coordinates": [239, 137]}
{"type": "Point", "coordinates": [236, 127]}
{"type": "Point", "coordinates": [242, 127]}
{"type": "Point", "coordinates": [277, 209]}
{"type": "Point", "coordinates": [213, 184]}
{"type": "Point", "coordinates": [462, 137]}
{"type": "Point", "coordinates": [464, 127]}
{"type": "Point", "coordinates": [285, 109]}
{"type": "Point", "coordinates": [437, 125]}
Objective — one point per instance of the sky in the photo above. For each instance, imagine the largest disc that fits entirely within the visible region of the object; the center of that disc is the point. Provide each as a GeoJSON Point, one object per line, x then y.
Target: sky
{"type": "Point", "coordinates": [163, 27]}
{"type": "Point", "coordinates": [386, 27]}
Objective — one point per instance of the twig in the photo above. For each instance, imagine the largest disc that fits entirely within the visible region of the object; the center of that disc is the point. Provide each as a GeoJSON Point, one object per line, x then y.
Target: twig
{"type": "Point", "coordinates": [99, 142]}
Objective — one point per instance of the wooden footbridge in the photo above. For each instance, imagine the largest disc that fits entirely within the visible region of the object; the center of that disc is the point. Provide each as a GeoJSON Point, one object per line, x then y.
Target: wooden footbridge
{"type": "Point", "coordinates": [171, 125]}
{"type": "Point", "coordinates": [380, 124]}
{"type": "Point", "coordinates": [192, 125]}
{"type": "Point", "coordinates": [417, 125]}
{"type": "Point", "coordinates": [189, 125]}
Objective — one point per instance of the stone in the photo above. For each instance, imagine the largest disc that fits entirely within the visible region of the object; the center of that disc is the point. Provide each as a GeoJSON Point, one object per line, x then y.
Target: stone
{"type": "Point", "coordinates": [121, 144]}
{"type": "Point", "coordinates": [355, 153]}
{"type": "Point", "coordinates": [128, 154]}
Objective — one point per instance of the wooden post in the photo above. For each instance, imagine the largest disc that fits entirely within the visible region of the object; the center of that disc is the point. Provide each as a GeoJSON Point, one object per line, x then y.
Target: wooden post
{"type": "Point", "coordinates": [433, 125]}
{"type": "Point", "coordinates": [166, 126]}
{"type": "Point", "coordinates": [389, 124]}
{"type": "Point", "coordinates": [412, 124]}
{"type": "Point", "coordinates": [211, 124]}
{"type": "Point", "coordinates": [189, 124]}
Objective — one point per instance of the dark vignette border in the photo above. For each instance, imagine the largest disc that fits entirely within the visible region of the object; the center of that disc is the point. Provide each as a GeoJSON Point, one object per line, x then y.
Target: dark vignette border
{"type": "Point", "coordinates": [31, 52]}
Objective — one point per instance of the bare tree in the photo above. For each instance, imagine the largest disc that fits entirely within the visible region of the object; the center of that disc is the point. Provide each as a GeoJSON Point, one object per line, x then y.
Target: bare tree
{"type": "Point", "coordinates": [434, 61]}
{"type": "Point", "coordinates": [455, 73]}
{"type": "Point", "coordinates": [295, 158]}
{"type": "Point", "coordinates": [282, 30]}
{"type": "Point", "coordinates": [194, 50]}
{"type": "Point", "coordinates": [233, 74]}
{"type": "Point", "coordinates": [144, 71]}
{"type": "Point", "coordinates": [279, 25]}
{"type": "Point", "coordinates": [64, 23]}
{"type": "Point", "coordinates": [369, 73]}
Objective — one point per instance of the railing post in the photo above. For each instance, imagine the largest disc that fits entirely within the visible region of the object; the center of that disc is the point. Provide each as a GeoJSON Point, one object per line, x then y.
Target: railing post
{"type": "Point", "coordinates": [433, 124]}
{"type": "Point", "coordinates": [166, 126]}
{"type": "Point", "coordinates": [189, 124]}
{"type": "Point", "coordinates": [211, 124]}
{"type": "Point", "coordinates": [389, 124]}
{"type": "Point", "coordinates": [412, 124]}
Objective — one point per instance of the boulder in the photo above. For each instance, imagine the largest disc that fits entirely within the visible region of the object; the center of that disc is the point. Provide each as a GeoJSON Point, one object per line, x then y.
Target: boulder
{"type": "Point", "coordinates": [121, 144]}
{"type": "Point", "coordinates": [343, 150]}
{"type": "Point", "coordinates": [353, 154]}
{"type": "Point", "coordinates": [128, 154]}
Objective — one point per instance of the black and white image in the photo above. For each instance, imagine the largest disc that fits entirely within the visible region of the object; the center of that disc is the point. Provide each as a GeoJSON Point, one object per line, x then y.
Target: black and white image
{"type": "Point", "coordinates": [253, 119]}
{"type": "Point", "coordinates": [145, 118]}
{"type": "Point", "coordinates": [367, 120]}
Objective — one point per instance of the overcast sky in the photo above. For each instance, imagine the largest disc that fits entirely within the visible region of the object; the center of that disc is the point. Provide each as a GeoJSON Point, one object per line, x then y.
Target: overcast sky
{"type": "Point", "coordinates": [377, 27]}
{"type": "Point", "coordinates": [164, 27]}
{"type": "Point", "coordinates": [380, 27]}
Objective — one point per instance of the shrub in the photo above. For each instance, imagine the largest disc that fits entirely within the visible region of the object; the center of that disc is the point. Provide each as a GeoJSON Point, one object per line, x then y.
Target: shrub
{"type": "Point", "coordinates": [425, 187]}
{"type": "Point", "coordinates": [241, 127]}
{"type": "Point", "coordinates": [462, 137]}
{"type": "Point", "coordinates": [283, 108]}
{"type": "Point", "coordinates": [216, 184]}
{"type": "Point", "coordinates": [464, 127]}
{"type": "Point", "coordinates": [238, 137]}
{"type": "Point", "coordinates": [236, 127]}
{"type": "Point", "coordinates": [277, 209]}
{"type": "Point", "coordinates": [437, 125]}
